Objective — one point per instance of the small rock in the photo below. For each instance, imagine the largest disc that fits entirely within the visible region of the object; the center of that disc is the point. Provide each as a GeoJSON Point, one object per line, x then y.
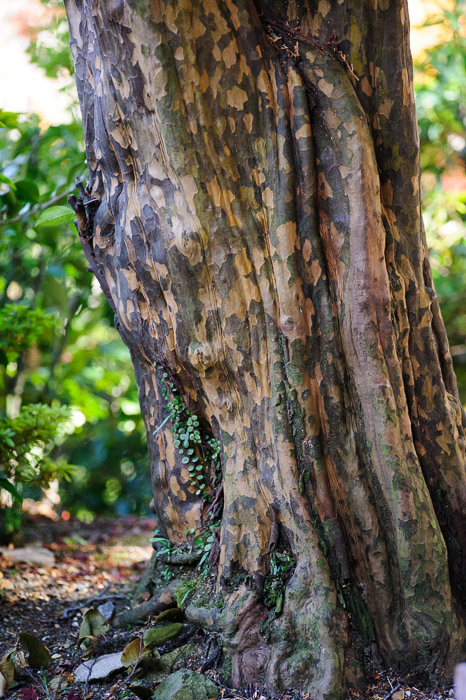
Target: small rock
{"type": "Point", "coordinates": [96, 669]}
{"type": "Point", "coordinates": [399, 695]}
{"type": "Point", "coordinates": [186, 685]}
{"type": "Point", "coordinates": [106, 610]}
{"type": "Point", "coordinates": [460, 682]}
{"type": "Point", "coordinates": [35, 556]}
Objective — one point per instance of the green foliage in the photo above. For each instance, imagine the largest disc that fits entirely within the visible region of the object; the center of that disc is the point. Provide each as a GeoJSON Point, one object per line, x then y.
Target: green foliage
{"type": "Point", "coordinates": [440, 77]}
{"type": "Point", "coordinates": [199, 451]}
{"type": "Point", "coordinates": [58, 345]}
{"type": "Point", "coordinates": [49, 47]}
{"type": "Point", "coordinates": [21, 328]}
{"type": "Point", "coordinates": [54, 216]}
{"type": "Point", "coordinates": [198, 544]}
{"type": "Point", "coordinates": [27, 440]}
{"type": "Point", "coordinates": [281, 569]}
{"type": "Point", "coordinates": [186, 590]}
{"type": "Point", "coordinates": [53, 317]}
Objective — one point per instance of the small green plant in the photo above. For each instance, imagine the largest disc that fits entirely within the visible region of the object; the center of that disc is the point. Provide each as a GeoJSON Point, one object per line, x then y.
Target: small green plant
{"type": "Point", "coordinates": [198, 543]}
{"type": "Point", "coordinates": [199, 451]}
{"type": "Point", "coordinates": [203, 541]}
{"type": "Point", "coordinates": [25, 443]}
{"type": "Point", "coordinates": [28, 433]}
{"type": "Point", "coordinates": [281, 569]}
{"type": "Point", "coordinates": [188, 587]}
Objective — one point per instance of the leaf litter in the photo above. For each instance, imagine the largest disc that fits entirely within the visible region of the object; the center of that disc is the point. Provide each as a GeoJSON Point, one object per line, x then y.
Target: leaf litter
{"type": "Point", "coordinates": [55, 617]}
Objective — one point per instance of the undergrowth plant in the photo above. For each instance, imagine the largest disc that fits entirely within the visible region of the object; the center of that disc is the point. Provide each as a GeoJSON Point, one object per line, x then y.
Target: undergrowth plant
{"type": "Point", "coordinates": [28, 433]}
{"type": "Point", "coordinates": [281, 569]}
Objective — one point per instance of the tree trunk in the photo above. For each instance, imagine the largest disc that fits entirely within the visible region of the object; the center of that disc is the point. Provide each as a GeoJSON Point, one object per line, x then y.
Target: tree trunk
{"type": "Point", "coordinates": [259, 234]}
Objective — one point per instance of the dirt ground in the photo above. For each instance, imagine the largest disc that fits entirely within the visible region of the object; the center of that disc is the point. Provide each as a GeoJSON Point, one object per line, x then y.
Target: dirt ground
{"type": "Point", "coordinates": [92, 565]}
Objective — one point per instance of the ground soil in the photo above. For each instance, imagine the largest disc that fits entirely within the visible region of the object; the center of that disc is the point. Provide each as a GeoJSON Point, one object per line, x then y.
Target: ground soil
{"type": "Point", "coordinates": [105, 559]}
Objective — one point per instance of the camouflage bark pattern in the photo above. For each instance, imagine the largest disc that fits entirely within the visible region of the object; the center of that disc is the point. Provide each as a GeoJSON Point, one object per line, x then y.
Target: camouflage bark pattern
{"type": "Point", "coordinates": [260, 233]}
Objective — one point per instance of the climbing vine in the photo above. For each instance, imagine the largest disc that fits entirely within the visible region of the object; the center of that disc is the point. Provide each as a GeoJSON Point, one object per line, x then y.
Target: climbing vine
{"type": "Point", "coordinates": [199, 451]}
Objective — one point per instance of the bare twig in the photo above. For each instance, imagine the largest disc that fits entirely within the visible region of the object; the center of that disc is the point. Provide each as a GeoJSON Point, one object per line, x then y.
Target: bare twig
{"type": "Point", "coordinates": [393, 690]}
{"type": "Point", "coordinates": [230, 690]}
{"type": "Point", "coordinates": [38, 207]}
{"type": "Point", "coordinates": [88, 677]}
{"type": "Point", "coordinates": [35, 677]}
{"type": "Point", "coordinates": [126, 680]}
{"type": "Point", "coordinates": [69, 612]}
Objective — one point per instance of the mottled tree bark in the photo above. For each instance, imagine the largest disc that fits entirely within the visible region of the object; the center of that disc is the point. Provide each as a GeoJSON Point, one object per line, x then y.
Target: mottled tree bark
{"type": "Point", "coordinates": [260, 236]}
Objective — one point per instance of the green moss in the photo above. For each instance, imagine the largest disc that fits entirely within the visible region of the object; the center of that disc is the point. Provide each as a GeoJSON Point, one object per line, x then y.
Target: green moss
{"type": "Point", "coordinates": [196, 588]}
{"type": "Point", "coordinates": [360, 619]}
{"type": "Point", "coordinates": [226, 670]}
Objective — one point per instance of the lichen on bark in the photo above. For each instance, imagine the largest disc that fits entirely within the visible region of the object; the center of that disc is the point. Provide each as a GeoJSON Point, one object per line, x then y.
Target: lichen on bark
{"type": "Point", "coordinates": [260, 236]}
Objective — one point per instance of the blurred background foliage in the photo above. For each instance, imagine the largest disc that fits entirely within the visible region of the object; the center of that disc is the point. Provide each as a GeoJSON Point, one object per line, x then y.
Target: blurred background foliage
{"type": "Point", "coordinates": [68, 400]}
{"type": "Point", "coordinates": [440, 80]}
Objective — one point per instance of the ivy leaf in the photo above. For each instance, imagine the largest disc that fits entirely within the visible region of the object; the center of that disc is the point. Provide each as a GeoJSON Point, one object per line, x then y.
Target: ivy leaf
{"type": "Point", "coordinates": [54, 216]}
{"type": "Point", "coordinates": [174, 614]}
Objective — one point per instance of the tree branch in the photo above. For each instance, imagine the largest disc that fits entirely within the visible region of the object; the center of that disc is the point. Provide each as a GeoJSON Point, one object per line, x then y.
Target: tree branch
{"type": "Point", "coordinates": [38, 207]}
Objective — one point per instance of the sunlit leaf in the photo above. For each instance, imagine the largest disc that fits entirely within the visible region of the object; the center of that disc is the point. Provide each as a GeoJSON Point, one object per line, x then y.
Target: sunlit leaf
{"type": "Point", "coordinates": [54, 216]}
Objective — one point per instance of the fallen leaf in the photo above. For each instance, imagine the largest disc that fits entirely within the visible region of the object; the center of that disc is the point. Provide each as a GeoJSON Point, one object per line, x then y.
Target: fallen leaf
{"type": "Point", "coordinates": [156, 636]}
{"type": "Point", "coordinates": [174, 614]}
{"type": "Point", "coordinates": [58, 682]}
{"type": "Point", "coordinates": [141, 691]}
{"type": "Point", "coordinates": [72, 695]}
{"type": "Point", "coordinates": [135, 651]}
{"type": "Point", "coordinates": [38, 656]}
{"type": "Point", "coordinates": [7, 671]}
{"type": "Point", "coordinates": [3, 685]}
{"type": "Point", "coordinates": [93, 624]}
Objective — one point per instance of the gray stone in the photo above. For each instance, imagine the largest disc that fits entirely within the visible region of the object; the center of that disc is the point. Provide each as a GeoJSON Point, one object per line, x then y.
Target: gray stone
{"type": "Point", "coordinates": [106, 610]}
{"type": "Point", "coordinates": [35, 556]}
{"type": "Point", "coordinates": [169, 663]}
{"type": "Point", "coordinates": [96, 669]}
{"type": "Point", "coordinates": [460, 682]}
{"type": "Point", "coordinates": [186, 685]}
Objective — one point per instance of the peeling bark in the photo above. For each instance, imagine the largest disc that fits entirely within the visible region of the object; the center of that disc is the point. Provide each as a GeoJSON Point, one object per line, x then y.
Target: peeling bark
{"type": "Point", "coordinates": [260, 235]}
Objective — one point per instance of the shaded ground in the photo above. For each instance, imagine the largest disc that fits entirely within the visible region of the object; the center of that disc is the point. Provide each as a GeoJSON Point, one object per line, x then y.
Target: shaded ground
{"type": "Point", "coordinates": [104, 561]}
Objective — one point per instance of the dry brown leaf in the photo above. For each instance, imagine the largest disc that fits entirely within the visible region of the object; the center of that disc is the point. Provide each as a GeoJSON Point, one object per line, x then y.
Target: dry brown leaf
{"type": "Point", "coordinates": [7, 675]}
